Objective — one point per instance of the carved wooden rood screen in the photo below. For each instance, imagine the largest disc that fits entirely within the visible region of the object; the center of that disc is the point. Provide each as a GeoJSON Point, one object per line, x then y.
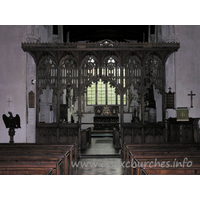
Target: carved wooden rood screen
{"type": "Point", "coordinates": [65, 71]}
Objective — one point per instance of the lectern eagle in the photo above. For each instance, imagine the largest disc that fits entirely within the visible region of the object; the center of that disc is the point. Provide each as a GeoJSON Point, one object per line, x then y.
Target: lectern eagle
{"type": "Point", "coordinates": [11, 122]}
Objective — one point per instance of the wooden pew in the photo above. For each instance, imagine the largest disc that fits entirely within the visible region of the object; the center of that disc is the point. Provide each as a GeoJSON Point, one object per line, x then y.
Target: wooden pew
{"type": "Point", "coordinates": [147, 152]}
{"type": "Point", "coordinates": [29, 168]}
{"type": "Point", "coordinates": [116, 138]}
{"type": "Point", "coordinates": [38, 158]}
{"type": "Point", "coordinates": [193, 170]}
{"type": "Point", "coordinates": [127, 147]}
{"type": "Point", "coordinates": [163, 162]}
{"type": "Point", "coordinates": [29, 146]}
{"type": "Point", "coordinates": [163, 156]}
{"type": "Point", "coordinates": [59, 157]}
{"type": "Point", "coordinates": [58, 163]}
{"type": "Point", "coordinates": [154, 145]}
{"type": "Point", "coordinates": [85, 138]}
{"type": "Point", "coordinates": [27, 171]}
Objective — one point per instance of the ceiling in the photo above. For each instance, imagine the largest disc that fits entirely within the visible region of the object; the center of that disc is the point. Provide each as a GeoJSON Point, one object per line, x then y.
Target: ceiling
{"type": "Point", "coordinates": [93, 33]}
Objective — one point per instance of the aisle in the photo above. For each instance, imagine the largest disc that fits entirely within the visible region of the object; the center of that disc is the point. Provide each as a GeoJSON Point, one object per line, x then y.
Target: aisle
{"type": "Point", "coordinates": [101, 146]}
{"type": "Point", "coordinates": [100, 166]}
{"type": "Point", "coordinates": [100, 159]}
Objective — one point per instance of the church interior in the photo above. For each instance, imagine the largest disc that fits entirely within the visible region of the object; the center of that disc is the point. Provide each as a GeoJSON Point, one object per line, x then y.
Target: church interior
{"type": "Point", "coordinates": [99, 99]}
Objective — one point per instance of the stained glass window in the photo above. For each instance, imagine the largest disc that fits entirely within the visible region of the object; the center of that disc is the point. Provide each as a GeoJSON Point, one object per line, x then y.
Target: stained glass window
{"type": "Point", "coordinates": [119, 100]}
{"type": "Point", "coordinates": [91, 94]}
{"type": "Point", "coordinates": [101, 93]}
{"type": "Point", "coordinates": [111, 95]}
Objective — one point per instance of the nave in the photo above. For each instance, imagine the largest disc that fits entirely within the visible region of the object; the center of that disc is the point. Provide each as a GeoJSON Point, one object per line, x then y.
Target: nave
{"type": "Point", "coordinates": [101, 158]}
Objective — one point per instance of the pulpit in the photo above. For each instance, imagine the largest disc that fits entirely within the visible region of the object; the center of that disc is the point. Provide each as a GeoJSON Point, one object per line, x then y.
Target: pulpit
{"type": "Point", "coordinates": [106, 117]}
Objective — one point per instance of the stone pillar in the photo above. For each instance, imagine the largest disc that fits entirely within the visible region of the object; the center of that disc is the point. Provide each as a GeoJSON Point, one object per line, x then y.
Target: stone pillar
{"type": "Point", "coordinates": [79, 112]}
{"type": "Point", "coordinates": [60, 33]}
{"type": "Point", "coordinates": [168, 35]}
{"type": "Point", "coordinates": [149, 33]}
{"type": "Point", "coordinates": [31, 110]}
{"type": "Point", "coordinates": [50, 33]}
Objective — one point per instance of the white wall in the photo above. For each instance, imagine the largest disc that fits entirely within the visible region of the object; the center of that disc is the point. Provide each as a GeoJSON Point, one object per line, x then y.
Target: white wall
{"type": "Point", "coordinates": [15, 78]}
{"type": "Point", "coordinates": [183, 67]}
{"type": "Point", "coordinates": [127, 117]}
{"type": "Point", "coordinates": [33, 34]}
{"type": "Point", "coordinates": [87, 118]}
{"type": "Point", "coordinates": [188, 68]}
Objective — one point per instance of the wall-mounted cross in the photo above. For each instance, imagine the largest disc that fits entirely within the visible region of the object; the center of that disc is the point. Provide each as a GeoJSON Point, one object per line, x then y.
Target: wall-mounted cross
{"type": "Point", "coordinates": [9, 101]}
{"type": "Point", "coordinates": [191, 94]}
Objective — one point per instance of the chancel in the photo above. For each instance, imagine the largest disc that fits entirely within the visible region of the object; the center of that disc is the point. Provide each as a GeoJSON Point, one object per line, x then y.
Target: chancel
{"type": "Point", "coordinates": [90, 92]}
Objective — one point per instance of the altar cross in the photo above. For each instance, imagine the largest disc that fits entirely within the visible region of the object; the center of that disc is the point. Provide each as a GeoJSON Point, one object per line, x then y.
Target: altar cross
{"type": "Point", "coordinates": [191, 94]}
{"type": "Point", "coordinates": [9, 101]}
{"type": "Point", "coordinates": [182, 114]}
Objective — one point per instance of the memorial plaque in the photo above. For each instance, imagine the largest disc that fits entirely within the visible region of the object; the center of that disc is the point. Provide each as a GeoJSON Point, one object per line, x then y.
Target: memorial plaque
{"type": "Point", "coordinates": [31, 98]}
{"type": "Point", "coordinates": [170, 100]}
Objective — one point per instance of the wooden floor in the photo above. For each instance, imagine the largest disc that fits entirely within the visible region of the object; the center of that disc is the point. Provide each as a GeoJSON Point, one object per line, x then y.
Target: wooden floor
{"type": "Point", "coordinates": [100, 159]}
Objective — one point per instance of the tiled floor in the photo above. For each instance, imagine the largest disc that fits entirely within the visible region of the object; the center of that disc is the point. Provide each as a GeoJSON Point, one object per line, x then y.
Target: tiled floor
{"type": "Point", "coordinates": [101, 164]}
{"type": "Point", "coordinates": [101, 148]}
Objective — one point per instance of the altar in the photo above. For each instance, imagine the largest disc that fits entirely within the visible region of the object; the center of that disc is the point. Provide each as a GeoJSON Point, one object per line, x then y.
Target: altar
{"type": "Point", "coordinates": [106, 117]}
